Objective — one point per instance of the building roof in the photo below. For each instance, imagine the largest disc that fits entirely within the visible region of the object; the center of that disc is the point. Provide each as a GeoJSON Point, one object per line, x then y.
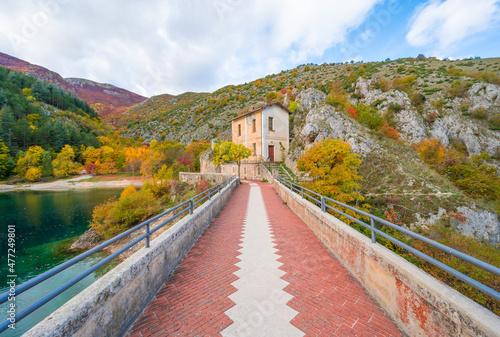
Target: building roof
{"type": "Point", "coordinates": [262, 108]}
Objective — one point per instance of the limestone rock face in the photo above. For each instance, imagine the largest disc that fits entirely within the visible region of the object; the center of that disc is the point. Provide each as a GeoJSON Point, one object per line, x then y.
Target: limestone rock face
{"type": "Point", "coordinates": [310, 98]}
{"type": "Point", "coordinates": [321, 121]}
{"type": "Point", "coordinates": [484, 95]}
{"type": "Point", "coordinates": [315, 120]}
{"type": "Point", "coordinates": [451, 124]}
{"type": "Point", "coordinates": [206, 164]}
{"type": "Point", "coordinates": [480, 223]}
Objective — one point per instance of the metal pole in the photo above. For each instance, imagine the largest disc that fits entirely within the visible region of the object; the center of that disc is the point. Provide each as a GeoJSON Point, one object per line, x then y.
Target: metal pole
{"type": "Point", "coordinates": [209, 194]}
{"type": "Point", "coordinates": [147, 237]}
{"type": "Point", "coordinates": [374, 235]}
{"type": "Point", "coordinates": [323, 205]}
{"type": "Point", "coordinates": [218, 188]}
{"type": "Point", "coordinates": [302, 191]}
{"type": "Point", "coordinates": [191, 206]}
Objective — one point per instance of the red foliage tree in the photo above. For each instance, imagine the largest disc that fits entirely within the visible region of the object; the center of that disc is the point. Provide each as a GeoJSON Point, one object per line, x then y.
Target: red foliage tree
{"type": "Point", "coordinates": [353, 112]}
{"type": "Point", "coordinates": [91, 168]}
{"type": "Point", "coordinates": [389, 131]}
{"type": "Point", "coordinates": [187, 159]}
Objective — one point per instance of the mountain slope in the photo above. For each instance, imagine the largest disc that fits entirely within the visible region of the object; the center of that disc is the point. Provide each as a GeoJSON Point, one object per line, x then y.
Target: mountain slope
{"type": "Point", "coordinates": [368, 105]}
{"type": "Point", "coordinates": [34, 112]}
{"type": "Point", "coordinates": [107, 100]}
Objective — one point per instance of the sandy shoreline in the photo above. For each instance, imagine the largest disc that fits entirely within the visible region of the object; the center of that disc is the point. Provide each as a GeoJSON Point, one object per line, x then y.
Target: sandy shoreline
{"type": "Point", "coordinates": [72, 184]}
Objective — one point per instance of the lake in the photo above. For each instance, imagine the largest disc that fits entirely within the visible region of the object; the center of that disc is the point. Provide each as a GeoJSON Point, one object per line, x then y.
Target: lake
{"type": "Point", "coordinates": [46, 223]}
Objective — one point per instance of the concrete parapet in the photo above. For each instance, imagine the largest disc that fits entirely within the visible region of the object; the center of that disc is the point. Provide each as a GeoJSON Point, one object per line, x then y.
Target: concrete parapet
{"type": "Point", "coordinates": [420, 304]}
{"type": "Point", "coordinates": [110, 305]}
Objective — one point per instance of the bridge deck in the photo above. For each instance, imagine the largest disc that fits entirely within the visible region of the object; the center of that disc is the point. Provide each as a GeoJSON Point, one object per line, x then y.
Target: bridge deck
{"type": "Point", "coordinates": [259, 271]}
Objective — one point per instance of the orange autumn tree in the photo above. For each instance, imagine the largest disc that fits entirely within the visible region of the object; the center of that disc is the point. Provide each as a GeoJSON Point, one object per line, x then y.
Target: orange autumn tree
{"type": "Point", "coordinates": [333, 167]}
{"type": "Point", "coordinates": [431, 151]}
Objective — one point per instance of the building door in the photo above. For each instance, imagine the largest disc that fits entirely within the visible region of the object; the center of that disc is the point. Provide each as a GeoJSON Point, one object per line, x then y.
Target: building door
{"type": "Point", "coordinates": [271, 152]}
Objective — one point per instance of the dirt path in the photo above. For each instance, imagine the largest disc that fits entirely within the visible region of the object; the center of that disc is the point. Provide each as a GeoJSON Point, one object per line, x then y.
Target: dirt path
{"type": "Point", "coordinates": [72, 184]}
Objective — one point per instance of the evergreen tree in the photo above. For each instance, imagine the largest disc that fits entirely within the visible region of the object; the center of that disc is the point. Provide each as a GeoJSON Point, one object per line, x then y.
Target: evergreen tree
{"type": "Point", "coordinates": [47, 169]}
{"type": "Point", "coordinates": [6, 125]}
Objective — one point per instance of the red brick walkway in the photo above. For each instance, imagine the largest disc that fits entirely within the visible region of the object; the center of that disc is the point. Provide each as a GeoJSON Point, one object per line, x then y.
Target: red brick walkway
{"type": "Point", "coordinates": [193, 300]}
{"type": "Point", "coordinates": [329, 301]}
{"type": "Point", "coordinates": [328, 298]}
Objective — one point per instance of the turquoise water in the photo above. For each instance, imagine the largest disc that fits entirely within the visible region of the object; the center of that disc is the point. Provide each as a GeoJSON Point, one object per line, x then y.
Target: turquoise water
{"type": "Point", "coordinates": [45, 223]}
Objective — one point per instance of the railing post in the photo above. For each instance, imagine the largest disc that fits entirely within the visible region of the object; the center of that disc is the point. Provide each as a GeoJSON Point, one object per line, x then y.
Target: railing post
{"type": "Point", "coordinates": [323, 205]}
{"type": "Point", "coordinates": [147, 237]}
{"type": "Point", "coordinates": [191, 206]}
{"type": "Point", "coordinates": [302, 191]}
{"type": "Point", "coordinates": [374, 235]}
{"type": "Point", "coordinates": [209, 194]}
{"type": "Point", "coordinates": [218, 188]}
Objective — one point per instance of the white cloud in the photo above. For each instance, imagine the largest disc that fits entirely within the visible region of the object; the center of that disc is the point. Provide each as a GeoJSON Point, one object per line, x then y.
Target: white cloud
{"type": "Point", "coordinates": [154, 47]}
{"type": "Point", "coordinates": [441, 24]}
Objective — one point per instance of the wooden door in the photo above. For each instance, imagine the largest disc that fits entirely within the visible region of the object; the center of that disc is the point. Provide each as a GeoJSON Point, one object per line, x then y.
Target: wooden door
{"type": "Point", "coordinates": [271, 152]}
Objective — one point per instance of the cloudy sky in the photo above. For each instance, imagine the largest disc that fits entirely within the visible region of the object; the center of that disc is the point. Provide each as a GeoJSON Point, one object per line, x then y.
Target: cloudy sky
{"type": "Point", "coordinates": [172, 46]}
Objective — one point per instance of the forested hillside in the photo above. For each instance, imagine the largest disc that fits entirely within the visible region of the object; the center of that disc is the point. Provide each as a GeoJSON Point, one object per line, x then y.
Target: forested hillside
{"type": "Point", "coordinates": [34, 112]}
{"type": "Point", "coordinates": [107, 100]}
{"type": "Point", "coordinates": [38, 117]}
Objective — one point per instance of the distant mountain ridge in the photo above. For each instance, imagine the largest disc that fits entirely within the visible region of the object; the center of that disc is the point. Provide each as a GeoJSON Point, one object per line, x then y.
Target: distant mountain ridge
{"type": "Point", "coordinates": [107, 100]}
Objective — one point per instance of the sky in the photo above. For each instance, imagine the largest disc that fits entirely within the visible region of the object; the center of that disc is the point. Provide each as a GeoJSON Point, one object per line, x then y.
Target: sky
{"type": "Point", "coordinates": [173, 46]}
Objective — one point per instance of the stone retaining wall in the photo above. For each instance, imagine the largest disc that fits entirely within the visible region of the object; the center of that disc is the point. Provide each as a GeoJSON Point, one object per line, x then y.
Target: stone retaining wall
{"type": "Point", "coordinates": [420, 304]}
{"type": "Point", "coordinates": [110, 305]}
{"type": "Point", "coordinates": [195, 177]}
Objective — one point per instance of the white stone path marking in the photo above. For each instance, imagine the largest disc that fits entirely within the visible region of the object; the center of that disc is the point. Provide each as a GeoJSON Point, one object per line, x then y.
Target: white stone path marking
{"type": "Point", "coordinates": [260, 308]}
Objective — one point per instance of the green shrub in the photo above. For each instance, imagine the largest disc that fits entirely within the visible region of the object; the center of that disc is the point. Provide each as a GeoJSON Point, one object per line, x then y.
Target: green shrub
{"type": "Point", "coordinates": [369, 117]}
{"type": "Point", "coordinates": [417, 99]}
{"type": "Point", "coordinates": [480, 113]}
{"type": "Point", "coordinates": [495, 120]}
{"type": "Point", "coordinates": [394, 107]}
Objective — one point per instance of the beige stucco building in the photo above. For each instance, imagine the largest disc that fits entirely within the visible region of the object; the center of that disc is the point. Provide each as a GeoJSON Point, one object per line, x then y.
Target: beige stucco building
{"type": "Point", "coordinates": [265, 131]}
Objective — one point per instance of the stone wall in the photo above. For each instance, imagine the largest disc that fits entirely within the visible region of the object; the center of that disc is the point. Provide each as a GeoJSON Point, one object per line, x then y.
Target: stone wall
{"type": "Point", "coordinates": [110, 305]}
{"type": "Point", "coordinates": [194, 177]}
{"type": "Point", "coordinates": [418, 303]}
{"type": "Point", "coordinates": [248, 170]}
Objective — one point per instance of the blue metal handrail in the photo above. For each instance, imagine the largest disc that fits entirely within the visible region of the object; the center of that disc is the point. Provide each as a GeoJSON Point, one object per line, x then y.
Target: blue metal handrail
{"type": "Point", "coordinates": [321, 201]}
{"type": "Point", "coordinates": [191, 203]}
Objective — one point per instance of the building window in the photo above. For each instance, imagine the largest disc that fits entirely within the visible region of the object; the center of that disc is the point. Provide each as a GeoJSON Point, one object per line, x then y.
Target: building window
{"type": "Point", "coordinates": [271, 126]}
{"type": "Point", "coordinates": [254, 125]}
{"type": "Point", "coordinates": [239, 130]}
{"type": "Point", "coordinates": [254, 148]}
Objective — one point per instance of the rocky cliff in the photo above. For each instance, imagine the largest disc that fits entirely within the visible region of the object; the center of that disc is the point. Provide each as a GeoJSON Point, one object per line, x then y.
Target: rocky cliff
{"type": "Point", "coordinates": [394, 175]}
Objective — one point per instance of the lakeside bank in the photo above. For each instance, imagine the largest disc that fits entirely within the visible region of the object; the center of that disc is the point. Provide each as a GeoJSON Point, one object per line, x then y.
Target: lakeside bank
{"type": "Point", "coordinates": [77, 183]}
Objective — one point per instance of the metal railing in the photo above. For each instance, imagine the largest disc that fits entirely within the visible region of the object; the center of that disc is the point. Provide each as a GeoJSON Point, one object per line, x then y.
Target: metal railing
{"type": "Point", "coordinates": [321, 201]}
{"type": "Point", "coordinates": [189, 207]}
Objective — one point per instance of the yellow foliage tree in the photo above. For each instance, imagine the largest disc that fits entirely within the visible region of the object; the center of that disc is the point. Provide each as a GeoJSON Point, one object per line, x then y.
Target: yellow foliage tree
{"type": "Point", "coordinates": [33, 173]}
{"type": "Point", "coordinates": [32, 158]}
{"type": "Point", "coordinates": [64, 164]}
{"type": "Point", "coordinates": [134, 158]}
{"type": "Point", "coordinates": [333, 167]}
{"type": "Point", "coordinates": [226, 152]}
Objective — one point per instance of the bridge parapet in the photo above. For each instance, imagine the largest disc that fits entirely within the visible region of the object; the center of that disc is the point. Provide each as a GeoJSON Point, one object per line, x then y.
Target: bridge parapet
{"type": "Point", "coordinates": [420, 304]}
{"type": "Point", "coordinates": [110, 305]}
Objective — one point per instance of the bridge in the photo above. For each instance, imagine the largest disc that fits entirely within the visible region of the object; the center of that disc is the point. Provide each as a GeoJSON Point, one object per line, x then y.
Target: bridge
{"type": "Point", "coordinates": [259, 271]}
{"type": "Point", "coordinates": [266, 262]}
